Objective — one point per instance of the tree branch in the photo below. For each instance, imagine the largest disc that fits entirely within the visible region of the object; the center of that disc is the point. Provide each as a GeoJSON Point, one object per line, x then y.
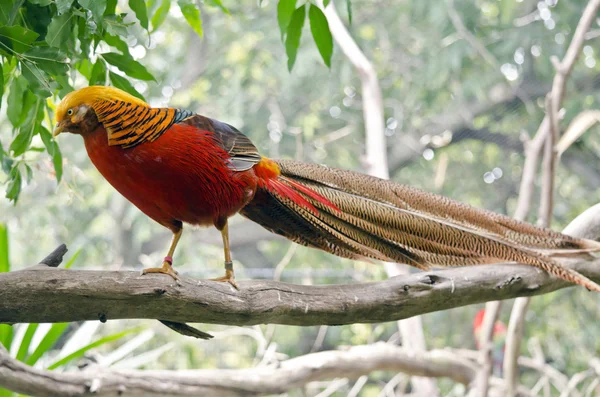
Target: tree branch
{"type": "Point", "coordinates": [287, 375]}
{"type": "Point", "coordinates": [58, 295]}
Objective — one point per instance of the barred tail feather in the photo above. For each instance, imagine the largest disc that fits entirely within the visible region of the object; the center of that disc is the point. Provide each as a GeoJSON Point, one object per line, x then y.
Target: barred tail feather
{"type": "Point", "coordinates": [357, 216]}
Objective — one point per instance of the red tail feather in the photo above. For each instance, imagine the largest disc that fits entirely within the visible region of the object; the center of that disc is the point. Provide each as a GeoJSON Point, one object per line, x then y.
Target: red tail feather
{"type": "Point", "coordinates": [271, 179]}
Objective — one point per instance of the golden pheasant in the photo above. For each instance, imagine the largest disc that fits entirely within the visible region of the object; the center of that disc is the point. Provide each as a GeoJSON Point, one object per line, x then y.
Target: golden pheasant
{"type": "Point", "coordinates": [179, 167]}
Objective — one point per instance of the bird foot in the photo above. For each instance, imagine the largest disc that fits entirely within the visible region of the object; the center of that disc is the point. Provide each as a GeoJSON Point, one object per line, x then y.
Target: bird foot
{"type": "Point", "coordinates": [167, 268]}
{"type": "Point", "coordinates": [227, 278]}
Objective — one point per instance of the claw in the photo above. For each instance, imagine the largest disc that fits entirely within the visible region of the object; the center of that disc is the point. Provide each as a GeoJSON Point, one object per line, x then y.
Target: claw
{"type": "Point", "coordinates": [166, 268]}
{"type": "Point", "coordinates": [227, 278]}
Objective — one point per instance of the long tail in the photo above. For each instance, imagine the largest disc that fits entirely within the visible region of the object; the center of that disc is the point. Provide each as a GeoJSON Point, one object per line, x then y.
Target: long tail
{"type": "Point", "coordinates": [356, 216]}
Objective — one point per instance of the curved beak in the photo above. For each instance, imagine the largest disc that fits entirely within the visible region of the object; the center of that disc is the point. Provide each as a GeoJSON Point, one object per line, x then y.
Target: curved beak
{"type": "Point", "coordinates": [57, 130]}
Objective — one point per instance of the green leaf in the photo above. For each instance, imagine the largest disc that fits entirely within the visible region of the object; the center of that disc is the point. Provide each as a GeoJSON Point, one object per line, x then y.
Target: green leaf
{"type": "Point", "coordinates": [111, 7]}
{"type": "Point", "coordinates": [129, 66]}
{"type": "Point", "coordinates": [14, 185]}
{"type": "Point", "coordinates": [4, 263]}
{"type": "Point", "coordinates": [47, 342]}
{"type": "Point", "coordinates": [115, 25]}
{"type": "Point", "coordinates": [7, 162]}
{"type": "Point", "coordinates": [285, 9]}
{"type": "Point", "coordinates": [46, 54]}
{"type": "Point", "coordinates": [57, 162]}
{"type": "Point", "coordinates": [6, 335]}
{"type": "Point", "coordinates": [321, 33]}
{"type": "Point", "coordinates": [15, 101]}
{"type": "Point", "coordinates": [1, 84]}
{"type": "Point", "coordinates": [40, 82]}
{"type": "Point", "coordinates": [53, 150]}
{"type": "Point", "coordinates": [294, 31]}
{"type": "Point", "coordinates": [29, 171]}
{"type": "Point", "coordinates": [59, 31]}
{"type": "Point", "coordinates": [117, 42]}
{"type": "Point", "coordinates": [23, 139]}
{"type": "Point", "coordinates": [84, 67]}
{"type": "Point", "coordinates": [139, 7]}
{"type": "Point", "coordinates": [124, 84]}
{"type": "Point", "coordinates": [325, 3]}
{"type": "Point", "coordinates": [6, 7]}
{"type": "Point", "coordinates": [219, 4]}
{"type": "Point", "coordinates": [24, 346]}
{"type": "Point", "coordinates": [49, 59]}
{"type": "Point", "coordinates": [42, 3]}
{"type": "Point", "coordinates": [73, 259]}
{"type": "Point", "coordinates": [191, 13]}
{"type": "Point", "coordinates": [349, 8]}
{"type": "Point", "coordinates": [161, 14]}
{"type": "Point", "coordinates": [96, 7]}
{"type": "Point", "coordinates": [63, 6]}
{"type": "Point", "coordinates": [98, 75]}
{"type": "Point", "coordinates": [99, 342]}
{"type": "Point", "coordinates": [17, 38]}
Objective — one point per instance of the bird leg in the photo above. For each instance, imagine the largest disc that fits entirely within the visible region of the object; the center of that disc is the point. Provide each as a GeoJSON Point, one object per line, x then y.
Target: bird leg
{"type": "Point", "coordinates": [167, 266]}
{"type": "Point", "coordinates": [229, 276]}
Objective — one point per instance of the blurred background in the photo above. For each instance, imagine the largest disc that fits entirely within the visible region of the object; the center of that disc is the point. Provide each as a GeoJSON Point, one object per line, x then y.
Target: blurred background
{"type": "Point", "coordinates": [463, 87]}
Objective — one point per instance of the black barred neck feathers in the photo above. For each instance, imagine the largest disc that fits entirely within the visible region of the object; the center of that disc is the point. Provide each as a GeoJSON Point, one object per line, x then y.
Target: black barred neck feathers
{"type": "Point", "coordinates": [128, 124]}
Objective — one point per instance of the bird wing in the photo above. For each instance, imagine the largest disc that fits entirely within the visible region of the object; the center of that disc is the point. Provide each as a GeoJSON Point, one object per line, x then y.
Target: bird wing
{"type": "Point", "coordinates": [243, 155]}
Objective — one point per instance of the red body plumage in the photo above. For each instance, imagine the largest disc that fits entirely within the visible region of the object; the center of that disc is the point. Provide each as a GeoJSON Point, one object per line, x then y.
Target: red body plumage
{"type": "Point", "coordinates": [182, 177]}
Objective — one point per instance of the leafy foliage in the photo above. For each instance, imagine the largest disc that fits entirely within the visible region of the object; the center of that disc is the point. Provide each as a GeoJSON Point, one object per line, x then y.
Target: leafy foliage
{"type": "Point", "coordinates": [291, 21]}
{"type": "Point", "coordinates": [44, 44]}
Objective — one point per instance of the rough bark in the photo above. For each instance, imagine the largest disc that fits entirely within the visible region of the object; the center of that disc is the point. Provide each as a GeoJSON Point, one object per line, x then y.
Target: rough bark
{"type": "Point", "coordinates": [44, 294]}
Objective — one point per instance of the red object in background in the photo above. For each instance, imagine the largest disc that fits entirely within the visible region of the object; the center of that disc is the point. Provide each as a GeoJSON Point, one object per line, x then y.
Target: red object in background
{"type": "Point", "coordinates": [498, 340]}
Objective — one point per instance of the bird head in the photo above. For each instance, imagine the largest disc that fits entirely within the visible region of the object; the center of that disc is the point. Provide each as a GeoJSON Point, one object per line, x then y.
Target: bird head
{"type": "Point", "coordinates": [76, 113]}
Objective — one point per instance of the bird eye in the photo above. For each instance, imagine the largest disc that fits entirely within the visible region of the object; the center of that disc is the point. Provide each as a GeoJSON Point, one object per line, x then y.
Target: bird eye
{"type": "Point", "coordinates": [70, 112]}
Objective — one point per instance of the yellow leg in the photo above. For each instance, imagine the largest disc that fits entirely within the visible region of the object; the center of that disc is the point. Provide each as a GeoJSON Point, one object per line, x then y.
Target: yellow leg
{"type": "Point", "coordinates": [167, 266]}
{"type": "Point", "coordinates": [229, 276]}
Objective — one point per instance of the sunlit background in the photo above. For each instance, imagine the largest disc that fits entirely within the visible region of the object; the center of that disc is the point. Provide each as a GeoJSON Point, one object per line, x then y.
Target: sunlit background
{"type": "Point", "coordinates": [457, 110]}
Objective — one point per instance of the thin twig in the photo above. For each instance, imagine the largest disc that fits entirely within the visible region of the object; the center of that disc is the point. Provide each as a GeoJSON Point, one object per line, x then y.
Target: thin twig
{"type": "Point", "coordinates": [486, 345]}
{"type": "Point", "coordinates": [549, 164]}
{"type": "Point", "coordinates": [538, 355]}
{"type": "Point", "coordinates": [571, 389]}
{"type": "Point", "coordinates": [513, 344]}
